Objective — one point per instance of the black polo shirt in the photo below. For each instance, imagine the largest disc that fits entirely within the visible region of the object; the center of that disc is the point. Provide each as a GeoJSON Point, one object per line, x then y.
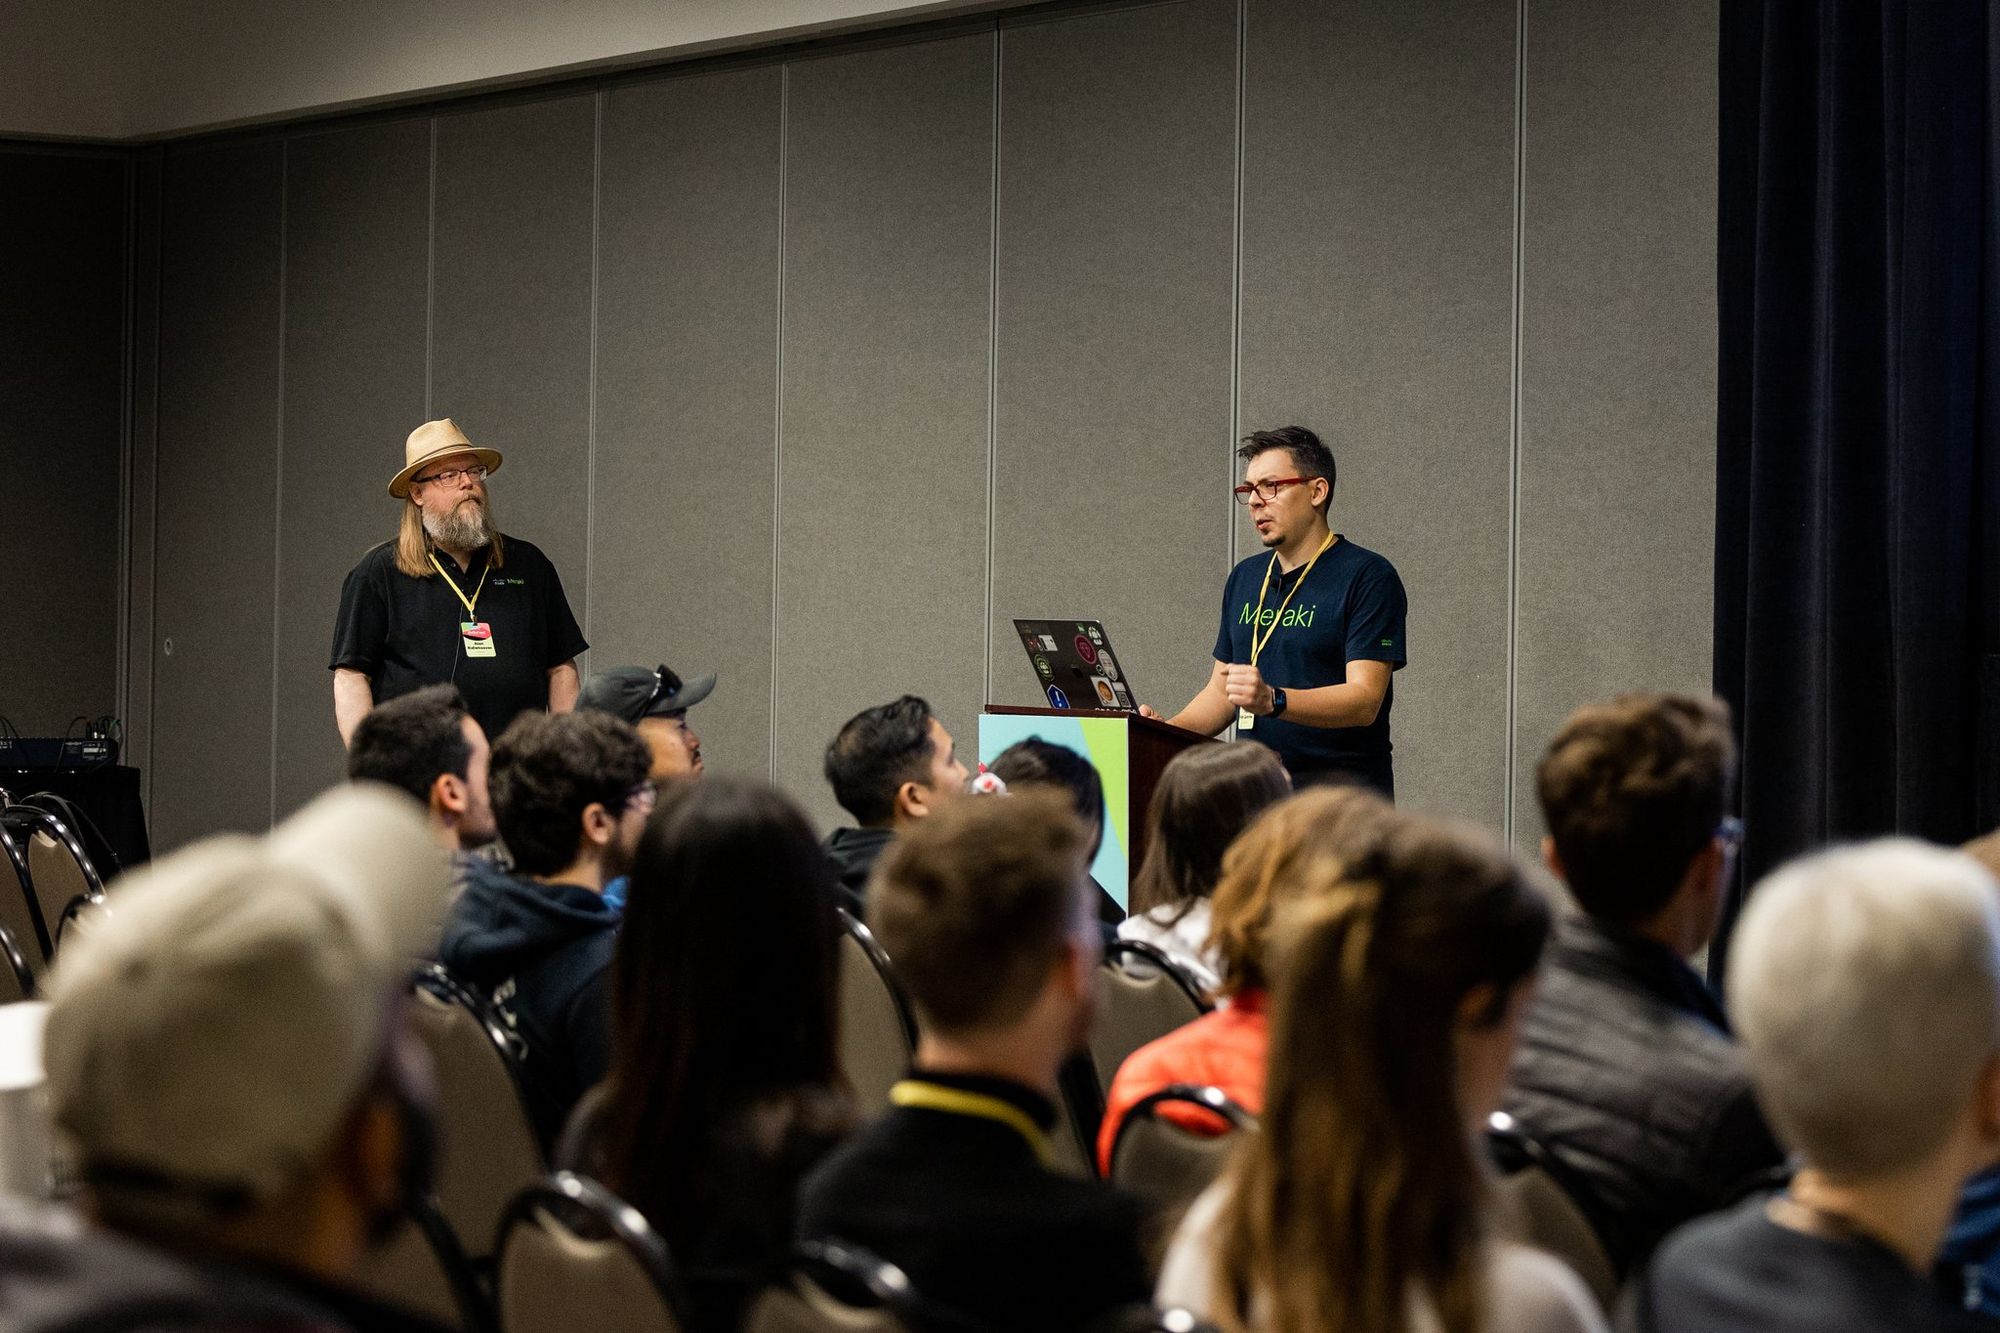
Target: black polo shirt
{"type": "Point", "coordinates": [403, 632]}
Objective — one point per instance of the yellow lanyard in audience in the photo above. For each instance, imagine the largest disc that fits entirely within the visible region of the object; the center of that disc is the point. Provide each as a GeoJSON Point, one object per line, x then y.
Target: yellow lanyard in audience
{"type": "Point", "coordinates": [957, 1101]}
{"type": "Point", "coordinates": [1257, 644]}
{"type": "Point", "coordinates": [472, 603]}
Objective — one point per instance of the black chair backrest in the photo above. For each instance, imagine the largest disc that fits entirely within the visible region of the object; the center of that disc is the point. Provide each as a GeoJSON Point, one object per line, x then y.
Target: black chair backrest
{"type": "Point", "coordinates": [96, 847]}
{"type": "Point", "coordinates": [571, 1255]}
{"type": "Point", "coordinates": [1151, 1319]}
{"type": "Point", "coordinates": [19, 912]}
{"type": "Point", "coordinates": [423, 1268]}
{"type": "Point", "coordinates": [1165, 1163]}
{"type": "Point", "coordinates": [1546, 1201]}
{"type": "Point", "coordinates": [16, 981]}
{"type": "Point", "coordinates": [833, 1287]}
{"type": "Point", "coordinates": [487, 1148]}
{"type": "Point", "coordinates": [1147, 995]}
{"type": "Point", "coordinates": [878, 1030]}
{"type": "Point", "coordinates": [60, 872]}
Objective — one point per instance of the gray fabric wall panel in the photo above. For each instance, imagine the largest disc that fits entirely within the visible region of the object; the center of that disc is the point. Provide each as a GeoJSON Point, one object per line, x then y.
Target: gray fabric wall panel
{"type": "Point", "coordinates": [1617, 505]}
{"type": "Point", "coordinates": [218, 459]}
{"type": "Point", "coordinates": [882, 515]}
{"type": "Point", "coordinates": [1117, 193]}
{"type": "Point", "coordinates": [1377, 309]}
{"type": "Point", "coordinates": [141, 642]}
{"type": "Point", "coordinates": [687, 391]}
{"type": "Point", "coordinates": [62, 311]}
{"type": "Point", "coordinates": [357, 227]}
{"type": "Point", "coordinates": [510, 333]}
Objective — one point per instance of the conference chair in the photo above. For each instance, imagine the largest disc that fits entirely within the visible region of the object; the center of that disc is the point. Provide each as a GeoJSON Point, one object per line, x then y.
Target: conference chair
{"type": "Point", "coordinates": [487, 1149]}
{"type": "Point", "coordinates": [18, 912]}
{"type": "Point", "coordinates": [1544, 1200]}
{"type": "Point", "coordinates": [16, 981]}
{"type": "Point", "coordinates": [424, 1269]}
{"type": "Point", "coordinates": [878, 1032]}
{"type": "Point", "coordinates": [571, 1255]}
{"type": "Point", "coordinates": [60, 872]}
{"type": "Point", "coordinates": [834, 1287]}
{"type": "Point", "coordinates": [1152, 1319]}
{"type": "Point", "coordinates": [1166, 1164]}
{"type": "Point", "coordinates": [1146, 995]}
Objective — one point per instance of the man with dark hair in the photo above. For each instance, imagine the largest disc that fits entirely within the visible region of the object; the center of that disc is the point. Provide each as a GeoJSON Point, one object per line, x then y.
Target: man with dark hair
{"type": "Point", "coordinates": [985, 910]}
{"type": "Point", "coordinates": [656, 702]}
{"type": "Point", "coordinates": [889, 767]}
{"type": "Point", "coordinates": [1311, 633]}
{"type": "Point", "coordinates": [1626, 1069]}
{"type": "Point", "coordinates": [571, 796]}
{"type": "Point", "coordinates": [426, 744]}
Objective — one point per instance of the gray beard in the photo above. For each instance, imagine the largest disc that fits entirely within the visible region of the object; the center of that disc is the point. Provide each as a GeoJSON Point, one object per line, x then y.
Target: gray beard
{"type": "Point", "coordinates": [461, 530]}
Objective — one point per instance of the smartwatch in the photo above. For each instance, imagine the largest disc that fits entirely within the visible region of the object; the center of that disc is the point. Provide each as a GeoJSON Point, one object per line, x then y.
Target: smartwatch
{"type": "Point", "coordinates": [1277, 701]}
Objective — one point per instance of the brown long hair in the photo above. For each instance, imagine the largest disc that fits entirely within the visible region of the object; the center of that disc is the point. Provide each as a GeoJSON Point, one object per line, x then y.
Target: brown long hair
{"type": "Point", "coordinates": [1205, 798]}
{"type": "Point", "coordinates": [413, 544]}
{"type": "Point", "coordinates": [1361, 1188]}
{"type": "Point", "coordinates": [1303, 841]}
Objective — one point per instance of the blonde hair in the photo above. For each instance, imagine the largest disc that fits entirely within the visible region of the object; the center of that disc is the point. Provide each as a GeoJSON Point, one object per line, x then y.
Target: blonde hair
{"type": "Point", "coordinates": [413, 544]}
{"type": "Point", "coordinates": [1361, 1192]}
{"type": "Point", "coordinates": [1318, 833]}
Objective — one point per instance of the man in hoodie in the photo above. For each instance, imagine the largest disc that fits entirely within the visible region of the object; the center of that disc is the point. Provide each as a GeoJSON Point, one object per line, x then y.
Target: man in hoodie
{"type": "Point", "coordinates": [571, 796]}
{"type": "Point", "coordinates": [889, 766]}
{"type": "Point", "coordinates": [228, 1066]}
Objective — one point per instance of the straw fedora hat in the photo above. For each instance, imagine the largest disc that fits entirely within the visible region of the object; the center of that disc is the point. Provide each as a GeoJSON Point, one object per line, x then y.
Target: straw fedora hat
{"type": "Point", "coordinates": [434, 440]}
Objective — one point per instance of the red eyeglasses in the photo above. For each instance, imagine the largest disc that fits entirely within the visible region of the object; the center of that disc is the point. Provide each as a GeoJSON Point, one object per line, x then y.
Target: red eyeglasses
{"type": "Point", "coordinates": [1267, 491]}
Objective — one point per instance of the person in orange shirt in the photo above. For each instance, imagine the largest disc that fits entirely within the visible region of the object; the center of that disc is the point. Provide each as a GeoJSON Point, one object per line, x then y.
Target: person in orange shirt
{"type": "Point", "coordinates": [1269, 868]}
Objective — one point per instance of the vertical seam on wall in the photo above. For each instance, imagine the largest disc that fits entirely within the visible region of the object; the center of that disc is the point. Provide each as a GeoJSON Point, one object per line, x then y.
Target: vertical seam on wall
{"type": "Point", "coordinates": [1236, 290]}
{"type": "Point", "coordinates": [1514, 416]}
{"type": "Point", "coordinates": [590, 409]}
{"type": "Point", "coordinates": [992, 360]}
{"type": "Point", "coordinates": [122, 683]}
{"type": "Point", "coordinates": [430, 271]}
{"type": "Point", "coordinates": [278, 478]}
{"type": "Point", "coordinates": [778, 408]}
{"type": "Point", "coordinates": [153, 635]}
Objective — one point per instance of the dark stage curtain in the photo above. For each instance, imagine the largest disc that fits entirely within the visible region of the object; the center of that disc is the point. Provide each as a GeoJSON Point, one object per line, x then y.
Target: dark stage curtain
{"type": "Point", "coordinates": [1857, 551]}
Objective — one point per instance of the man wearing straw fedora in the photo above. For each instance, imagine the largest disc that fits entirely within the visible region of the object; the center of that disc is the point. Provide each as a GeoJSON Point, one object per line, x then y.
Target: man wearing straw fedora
{"type": "Point", "coordinates": [451, 600]}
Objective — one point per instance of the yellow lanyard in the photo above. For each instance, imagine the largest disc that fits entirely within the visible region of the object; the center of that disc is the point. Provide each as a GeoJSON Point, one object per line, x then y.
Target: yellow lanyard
{"type": "Point", "coordinates": [472, 603]}
{"type": "Point", "coordinates": [1257, 644]}
{"type": "Point", "coordinates": [955, 1101]}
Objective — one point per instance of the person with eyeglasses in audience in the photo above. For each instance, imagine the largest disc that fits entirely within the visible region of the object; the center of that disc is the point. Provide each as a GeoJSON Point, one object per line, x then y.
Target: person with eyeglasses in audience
{"type": "Point", "coordinates": [243, 1110]}
{"type": "Point", "coordinates": [450, 600]}
{"type": "Point", "coordinates": [1627, 1072]}
{"type": "Point", "coordinates": [724, 1086]}
{"type": "Point", "coordinates": [1311, 632]}
{"type": "Point", "coordinates": [1360, 1203]}
{"type": "Point", "coordinates": [984, 910]}
{"type": "Point", "coordinates": [571, 796]}
{"type": "Point", "coordinates": [1206, 796]}
{"type": "Point", "coordinates": [656, 704]}
{"type": "Point", "coordinates": [889, 767]}
{"type": "Point", "coordinates": [1865, 986]}
{"type": "Point", "coordinates": [1289, 851]}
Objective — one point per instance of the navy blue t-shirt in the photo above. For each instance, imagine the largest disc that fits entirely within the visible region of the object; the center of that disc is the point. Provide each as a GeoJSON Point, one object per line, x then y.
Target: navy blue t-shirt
{"type": "Point", "coordinates": [1352, 608]}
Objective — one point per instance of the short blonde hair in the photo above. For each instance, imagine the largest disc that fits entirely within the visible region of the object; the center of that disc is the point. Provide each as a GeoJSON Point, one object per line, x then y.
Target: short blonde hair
{"type": "Point", "coordinates": [1865, 985]}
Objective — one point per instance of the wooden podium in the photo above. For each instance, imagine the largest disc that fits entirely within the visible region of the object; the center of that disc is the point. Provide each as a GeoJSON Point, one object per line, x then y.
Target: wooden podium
{"type": "Point", "coordinates": [1128, 752]}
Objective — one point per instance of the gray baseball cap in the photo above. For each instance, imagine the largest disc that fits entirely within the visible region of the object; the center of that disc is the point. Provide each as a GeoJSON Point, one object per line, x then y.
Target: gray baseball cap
{"type": "Point", "coordinates": [227, 1010]}
{"type": "Point", "coordinates": [633, 693]}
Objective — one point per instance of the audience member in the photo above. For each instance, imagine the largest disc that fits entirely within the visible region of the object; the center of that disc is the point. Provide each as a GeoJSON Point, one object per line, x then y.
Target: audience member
{"type": "Point", "coordinates": [1035, 762]}
{"type": "Point", "coordinates": [655, 703]}
{"type": "Point", "coordinates": [1206, 796]}
{"type": "Point", "coordinates": [722, 1090]}
{"type": "Point", "coordinates": [889, 767]}
{"type": "Point", "coordinates": [1866, 985]}
{"type": "Point", "coordinates": [1969, 1264]}
{"type": "Point", "coordinates": [227, 1068]}
{"type": "Point", "coordinates": [426, 744]}
{"type": "Point", "coordinates": [571, 795]}
{"type": "Point", "coordinates": [1290, 850]}
{"type": "Point", "coordinates": [983, 909]}
{"type": "Point", "coordinates": [1627, 1072]}
{"type": "Point", "coordinates": [1359, 1205]}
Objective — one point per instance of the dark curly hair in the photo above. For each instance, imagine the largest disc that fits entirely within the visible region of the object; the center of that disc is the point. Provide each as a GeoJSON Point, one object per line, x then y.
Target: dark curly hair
{"type": "Point", "coordinates": [875, 754]}
{"type": "Point", "coordinates": [547, 768]}
{"type": "Point", "coordinates": [1632, 789]}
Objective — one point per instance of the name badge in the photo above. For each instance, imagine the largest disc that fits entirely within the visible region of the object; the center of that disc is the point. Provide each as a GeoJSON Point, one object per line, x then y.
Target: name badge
{"type": "Point", "coordinates": [1245, 719]}
{"type": "Point", "coordinates": [477, 636]}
